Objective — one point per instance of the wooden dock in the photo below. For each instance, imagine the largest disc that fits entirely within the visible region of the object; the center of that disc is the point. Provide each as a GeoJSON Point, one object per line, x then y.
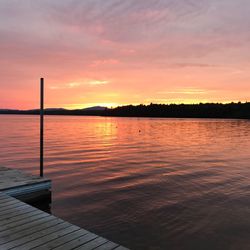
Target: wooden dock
{"type": "Point", "coordinates": [23, 227]}
{"type": "Point", "coordinates": [21, 185]}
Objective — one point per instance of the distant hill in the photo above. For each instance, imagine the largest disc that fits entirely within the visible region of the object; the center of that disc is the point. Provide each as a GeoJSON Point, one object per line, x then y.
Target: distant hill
{"type": "Point", "coordinates": [55, 109]}
{"type": "Point", "coordinates": [10, 111]}
{"type": "Point", "coordinates": [95, 108]}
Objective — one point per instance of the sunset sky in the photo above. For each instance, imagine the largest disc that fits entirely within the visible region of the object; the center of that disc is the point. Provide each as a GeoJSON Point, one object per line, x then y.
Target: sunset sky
{"type": "Point", "coordinates": [117, 52]}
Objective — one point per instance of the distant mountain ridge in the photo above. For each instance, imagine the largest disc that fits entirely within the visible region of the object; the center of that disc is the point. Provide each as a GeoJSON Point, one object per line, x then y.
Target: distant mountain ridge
{"type": "Point", "coordinates": [96, 110]}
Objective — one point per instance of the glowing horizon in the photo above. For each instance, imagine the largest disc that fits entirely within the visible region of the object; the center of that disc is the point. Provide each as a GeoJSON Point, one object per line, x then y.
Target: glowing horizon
{"type": "Point", "coordinates": [113, 53]}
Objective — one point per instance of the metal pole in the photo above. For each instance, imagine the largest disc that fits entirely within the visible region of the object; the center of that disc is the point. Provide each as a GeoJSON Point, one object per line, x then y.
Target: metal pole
{"type": "Point", "coordinates": [41, 124]}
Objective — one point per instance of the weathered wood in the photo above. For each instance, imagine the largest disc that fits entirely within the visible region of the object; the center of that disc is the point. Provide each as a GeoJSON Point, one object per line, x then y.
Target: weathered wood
{"type": "Point", "coordinates": [92, 244]}
{"type": "Point", "coordinates": [46, 234]}
{"type": "Point", "coordinates": [8, 203]}
{"type": "Point", "coordinates": [23, 227]}
{"type": "Point", "coordinates": [55, 235]}
{"type": "Point", "coordinates": [16, 183]}
{"type": "Point", "coordinates": [121, 248]}
{"type": "Point", "coordinates": [17, 209]}
{"type": "Point", "coordinates": [2, 198]}
{"type": "Point", "coordinates": [77, 242]}
{"type": "Point", "coordinates": [17, 244]}
{"type": "Point", "coordinates": [8, 221]}
{"type": "Point", "coordinates": [22, 222]}
{"type": "Point", "coordinates": [62, 240]}
{"type": "Point", "coordinates": [13, 234]}
{"type": "Point", "coordinates": [17, 213]}
{"type": "Point", "coordinates": [107, 246]}
{"type": "Point", "coordinates": [27, 226]}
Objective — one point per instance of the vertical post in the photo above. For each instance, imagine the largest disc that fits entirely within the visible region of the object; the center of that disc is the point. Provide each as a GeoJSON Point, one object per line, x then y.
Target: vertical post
{"type": "Point", "coordinates": [41, 124]}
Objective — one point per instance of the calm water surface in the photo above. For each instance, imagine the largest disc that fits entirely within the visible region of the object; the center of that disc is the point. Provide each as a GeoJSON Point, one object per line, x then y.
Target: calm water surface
{"type": "Point", "coordinates": [144, 183]}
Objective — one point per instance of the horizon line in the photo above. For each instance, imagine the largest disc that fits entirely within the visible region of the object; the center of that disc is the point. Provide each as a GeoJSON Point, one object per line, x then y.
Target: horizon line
{"type": "Point", "coordinates": [124, 105]}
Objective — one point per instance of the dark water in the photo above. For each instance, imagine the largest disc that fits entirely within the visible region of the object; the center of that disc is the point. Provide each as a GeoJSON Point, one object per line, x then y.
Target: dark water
{"type": "Point", "coordinates": [144, 183]}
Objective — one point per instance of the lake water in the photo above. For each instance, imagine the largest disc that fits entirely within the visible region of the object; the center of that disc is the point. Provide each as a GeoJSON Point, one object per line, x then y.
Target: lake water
{"type": "Point", "coordinates": [144, 183]}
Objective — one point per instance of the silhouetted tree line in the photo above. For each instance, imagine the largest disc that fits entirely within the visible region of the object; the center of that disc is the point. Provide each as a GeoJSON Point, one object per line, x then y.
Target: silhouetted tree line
{"type": "Point", "coordinates": [208, 110]}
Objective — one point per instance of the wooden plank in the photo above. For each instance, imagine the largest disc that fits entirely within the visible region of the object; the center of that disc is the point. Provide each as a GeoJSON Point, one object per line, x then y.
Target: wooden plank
{"type": "Point", "coordinates": [92, 244]}
{"type": "Point", "coordinates": [10, 206]}
{"type": "Point", "coordinates": [107, 246]}
{"type": "Point", "coordinates": [62, 240]}
{"type": "Point", "coordinates": [6, 198]}
{"type": "Point", "coordinates": [10, 202]}
{"type": "Point", "coordinates": [15, 182]}
{"type": "Point", "coordinates": [26, 226]}
{"type": "Point", "coordinates": [22, 222]}
{"type": "Point", "coordinates": [121, 248]}
{"type": "Point", "coordinates": [17, 209]}
{"type": "Point", "coordinates": [27, 189]}
{"type": "Point", "coordinates": [3, 200]}
{"type": "Point", "coordinates": [3, 197]}
{"type": "Point", "coordinates": [12, 235]}
{"type": "Point", "coordinates": [17, 213]}
{"type": "Point", "coordinates": [19, 218]}
{"type": "Point", "coordinates": [77, 242]}
{"type": "Point", "coordinates": [17, 244]}
{"type": "Point", "coordinates": [47, 238]}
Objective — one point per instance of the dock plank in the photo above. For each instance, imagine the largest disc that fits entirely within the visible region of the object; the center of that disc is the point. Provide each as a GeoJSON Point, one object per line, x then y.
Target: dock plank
{"type": "Point", "coordinates": [17, 209]}
{"type": "Point", "coordinates": [23, 227]}
{"type": "Point", "coordinates": [92, 244]}
{"type": "Point", "coordinates": [62, 240]}
{"type": "Point", "coordinates": [22, 222]}
{"type": "Point", "coordinates": [77, 242]}
{"type": "Point", "coordinates": [10, 206]}
{"type": "Point", "coordinates": [57, 232]}
{"type": "Point", "coordinates": [13, 235]}
{"type": "Point", "coordinates": [17, 213]}
{"type": "Point", "coordinates": [121, 248]}
{"type": "Point", "coordinates": [8, 221]}
{"type": "Point", "coordinates": [107, 246]}
{"type": "Point", "coordinates": [27, 226]}
{"type": "Point", "coordinates": [17, 244]}
{"type": "Point", "coordinates": [8, 203]}
{"type": "Point", "coordinates": [16, 182]}
{"type": "Point", "coordinates": [56, 235]}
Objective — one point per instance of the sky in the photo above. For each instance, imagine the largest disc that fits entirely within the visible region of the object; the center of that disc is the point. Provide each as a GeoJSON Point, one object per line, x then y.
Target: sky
{"type": "Point", "coordinates": [118, 52]}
